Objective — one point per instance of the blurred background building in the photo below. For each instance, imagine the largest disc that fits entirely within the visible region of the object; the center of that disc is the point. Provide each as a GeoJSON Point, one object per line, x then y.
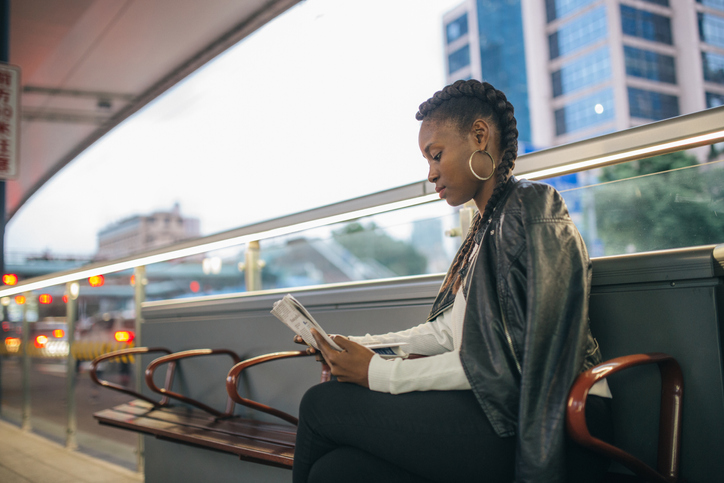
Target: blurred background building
{"type": "Point", "coordinates": [599, 65]}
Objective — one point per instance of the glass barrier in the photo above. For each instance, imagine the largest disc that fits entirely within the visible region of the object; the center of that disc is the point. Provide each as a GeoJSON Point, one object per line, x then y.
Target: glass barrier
{"type": "Point", "coordinates": [663, 202]}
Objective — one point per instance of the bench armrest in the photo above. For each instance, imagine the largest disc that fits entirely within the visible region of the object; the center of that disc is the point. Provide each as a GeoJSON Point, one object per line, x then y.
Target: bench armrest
{"type": "Point", "coordinates": [172, 358]}
{"type": "Point", "coordinates": [672, 386]}
{"type": "Point", "coordinates": [232, 383]}
{"type": "Point", "coordinates": [116, 387]}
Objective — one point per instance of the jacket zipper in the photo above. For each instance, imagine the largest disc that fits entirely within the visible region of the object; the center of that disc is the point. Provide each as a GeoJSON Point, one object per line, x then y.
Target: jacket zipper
{"type": "Point", "coordinates": [502, 310]}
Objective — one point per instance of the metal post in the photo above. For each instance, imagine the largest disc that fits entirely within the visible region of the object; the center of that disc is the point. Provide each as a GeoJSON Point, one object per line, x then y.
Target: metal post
{"type": "Point", "coordinates": [139, 275]}
{"type": "Point", "coordinates": [71, 314]}
{"type": "Point", "coordinates": [252, 267]}
{"type": "Point", "coordinates": [4, 57]}
{"type": "Point", "coordinates": [26, 366]}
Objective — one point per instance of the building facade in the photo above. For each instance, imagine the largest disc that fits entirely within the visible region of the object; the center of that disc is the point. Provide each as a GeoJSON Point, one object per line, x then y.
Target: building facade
{"type": "Point", "coordinates": [145, 232]}
{"type": "Point", "coordinates": [574, 69]}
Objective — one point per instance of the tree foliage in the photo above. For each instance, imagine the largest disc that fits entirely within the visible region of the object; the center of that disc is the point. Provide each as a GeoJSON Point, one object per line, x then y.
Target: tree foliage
{"type": "Point", "coordinates": [660, 208]}
{"type": "Point", "coordinates": [370, 243]}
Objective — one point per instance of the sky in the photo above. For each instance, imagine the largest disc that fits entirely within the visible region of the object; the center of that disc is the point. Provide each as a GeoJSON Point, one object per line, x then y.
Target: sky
{"type": "Point", "coordinates": [314, 108]}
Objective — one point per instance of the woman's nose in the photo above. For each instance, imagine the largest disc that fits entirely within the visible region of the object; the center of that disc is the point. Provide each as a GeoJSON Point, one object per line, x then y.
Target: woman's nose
{"type": "Point", "coordinates": [432, 174]}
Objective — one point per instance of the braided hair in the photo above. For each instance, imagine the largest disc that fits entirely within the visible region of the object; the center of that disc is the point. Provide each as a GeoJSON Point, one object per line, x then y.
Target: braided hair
{"type": "Point", "coordinates": [462, 103]}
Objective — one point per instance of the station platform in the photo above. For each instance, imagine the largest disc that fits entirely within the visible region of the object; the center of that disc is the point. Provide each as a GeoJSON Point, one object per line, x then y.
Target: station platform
{"type": "Point", "coordinates": [28, 458]}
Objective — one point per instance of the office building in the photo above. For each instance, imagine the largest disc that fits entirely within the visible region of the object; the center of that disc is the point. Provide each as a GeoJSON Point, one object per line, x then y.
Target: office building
{"type": "Point", "coordinates": [574, 69]}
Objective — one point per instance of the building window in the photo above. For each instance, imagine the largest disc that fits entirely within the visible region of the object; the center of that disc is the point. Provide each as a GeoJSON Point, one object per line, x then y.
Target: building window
{"type": "Point", "coordinates": [713, 65]}
{"type": "Point", "coordinates": [649, 65]}
{"type": "Point", "coordinates": [459, 59]}
{"type": "Point", "coordinates": [665, 3]}
{"type": "Point", "coordinates": [652, 105]}
{"type": "Point", "coordinates": [580, 32]}
{"type": "Point", "coordinates": [713, 3]}
{"type": "Point", "coordinates": [594, 109]}
{"type": "Point", "coordinates": [711, 29]}
{"type": "Point", "coordinates": [560, 8]}
{"type": "Point", "coordinates": [714, 100]}
{"type": "Point", "coordinates": [589, 70]}
{"type": "Point", "coordinates": [646, 25]}
{"type": "Point", "coordinates": [457, 28]}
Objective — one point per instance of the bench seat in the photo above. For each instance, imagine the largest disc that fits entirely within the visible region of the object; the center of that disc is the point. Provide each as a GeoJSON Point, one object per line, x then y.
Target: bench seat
{"type": "Point", "coordinates": [260, 442]}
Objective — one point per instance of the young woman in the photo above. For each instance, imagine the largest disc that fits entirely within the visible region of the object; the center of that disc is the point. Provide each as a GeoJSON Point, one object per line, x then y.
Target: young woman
{"type": "Point", "coordinates": [507, 334]}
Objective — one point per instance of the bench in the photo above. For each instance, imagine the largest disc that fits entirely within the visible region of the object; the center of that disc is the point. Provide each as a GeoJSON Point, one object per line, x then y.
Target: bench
{"type": "Point", "coordinates": [273, 443]}
{"type": "Point", "coordinates": [202, 426]}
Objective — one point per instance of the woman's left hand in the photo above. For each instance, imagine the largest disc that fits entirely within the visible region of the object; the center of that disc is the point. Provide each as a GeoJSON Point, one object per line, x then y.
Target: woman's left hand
{"type": "Point", "coordinates": [351, 364]}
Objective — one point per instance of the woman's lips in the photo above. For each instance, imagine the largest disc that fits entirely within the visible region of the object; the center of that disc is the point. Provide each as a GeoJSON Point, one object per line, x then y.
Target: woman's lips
{"type": "Point", "coordinates": [441, 192]}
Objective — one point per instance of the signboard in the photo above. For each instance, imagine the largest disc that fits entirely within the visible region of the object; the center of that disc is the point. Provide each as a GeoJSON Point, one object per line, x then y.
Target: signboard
{"type": "Point", "coordinates": [9, 120]}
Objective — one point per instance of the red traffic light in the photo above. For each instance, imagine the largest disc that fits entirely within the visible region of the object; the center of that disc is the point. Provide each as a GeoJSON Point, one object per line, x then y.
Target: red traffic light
{"type": "Point", "coordinates": [10, 279]}
{"type": "Point", "coordinates": [96, 280]}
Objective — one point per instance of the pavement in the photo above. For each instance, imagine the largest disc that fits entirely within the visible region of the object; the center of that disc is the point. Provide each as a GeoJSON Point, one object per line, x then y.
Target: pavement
{"type": "Point", "coordinates": [26, 457]}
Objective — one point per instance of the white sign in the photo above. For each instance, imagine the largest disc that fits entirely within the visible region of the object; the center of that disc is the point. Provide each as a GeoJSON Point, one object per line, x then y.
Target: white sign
{"type": "Point", "coordinates": [9, 120]}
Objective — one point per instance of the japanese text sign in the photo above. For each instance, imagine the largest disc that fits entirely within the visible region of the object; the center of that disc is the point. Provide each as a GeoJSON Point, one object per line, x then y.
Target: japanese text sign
{"type": "Point", "coordinates": [9, 120]}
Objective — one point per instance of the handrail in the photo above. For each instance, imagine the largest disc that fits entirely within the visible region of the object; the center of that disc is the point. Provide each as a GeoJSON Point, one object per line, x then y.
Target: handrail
{"type": "Point", "coordinates": [672, 387]}
{"type": "Point", "coordinates": [232, 383]}
{"type": "Point", "coordinates": [682, 132]}
{"type": "Point", "coordinates": [172, 358]}
{"type": "Point", "coordinates": [116, 387]}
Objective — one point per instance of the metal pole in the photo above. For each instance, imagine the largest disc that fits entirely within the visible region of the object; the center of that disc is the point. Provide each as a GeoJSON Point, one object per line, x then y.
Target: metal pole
{"type": "Point", "coordinates": [26, 366]}
{"type": "Point", "coordinates": [139, 275]}
{"type": "Point", "coordinates": [71, 314]}
{"type": "Point", "coordinates": [4, 57]}
{"type": "Point", "coordinates": [252, 267]}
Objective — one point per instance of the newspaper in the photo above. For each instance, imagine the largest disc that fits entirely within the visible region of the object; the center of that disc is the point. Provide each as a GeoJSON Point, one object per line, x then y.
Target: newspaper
{"type": "Point", "coordinates": [290, 311]}
{"type": "Point", "coordinates": [296, 317]}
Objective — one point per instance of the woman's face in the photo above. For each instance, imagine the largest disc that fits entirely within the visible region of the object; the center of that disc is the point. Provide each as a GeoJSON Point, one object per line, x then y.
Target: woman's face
{"type": "Point", "coordinates": [447, 152]}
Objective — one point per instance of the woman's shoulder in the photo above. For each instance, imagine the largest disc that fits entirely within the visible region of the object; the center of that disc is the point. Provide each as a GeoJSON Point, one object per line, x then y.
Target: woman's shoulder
{"type": "Point", "coordinates": [536, 201]}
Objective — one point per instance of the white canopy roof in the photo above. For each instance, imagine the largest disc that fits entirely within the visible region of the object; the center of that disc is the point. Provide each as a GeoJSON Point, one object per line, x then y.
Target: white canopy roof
{"type": "Point", "coordinates": [89, 64]}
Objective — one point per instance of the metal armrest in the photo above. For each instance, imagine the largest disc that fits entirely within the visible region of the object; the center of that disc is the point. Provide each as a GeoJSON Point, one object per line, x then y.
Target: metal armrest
{"type": "Point", "coordinates": [232, 382]}
{"type": "Point", "coordinates": [116, 387]}
{"type": "Point", "coordinates": [172, 358]}
{"type": "Point", "coordinates": [672, 387]}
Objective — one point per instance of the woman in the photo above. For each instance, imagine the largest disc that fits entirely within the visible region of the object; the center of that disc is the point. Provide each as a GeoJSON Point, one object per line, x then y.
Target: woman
{"type": "Point", "coordinates": [507, 334]}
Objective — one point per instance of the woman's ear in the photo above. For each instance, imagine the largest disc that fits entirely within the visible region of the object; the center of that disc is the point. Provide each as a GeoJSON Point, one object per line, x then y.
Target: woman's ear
{"type": "Point", "coordinates": [481, 132]}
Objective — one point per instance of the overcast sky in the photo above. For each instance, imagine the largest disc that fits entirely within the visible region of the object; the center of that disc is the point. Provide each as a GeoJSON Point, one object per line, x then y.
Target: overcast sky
{"type": "Point", "coordinates": [314, 108]}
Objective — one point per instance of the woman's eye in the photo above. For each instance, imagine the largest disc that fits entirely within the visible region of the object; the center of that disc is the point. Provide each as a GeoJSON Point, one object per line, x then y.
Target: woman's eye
{"type": "Point", "coordinates": [437, 156]}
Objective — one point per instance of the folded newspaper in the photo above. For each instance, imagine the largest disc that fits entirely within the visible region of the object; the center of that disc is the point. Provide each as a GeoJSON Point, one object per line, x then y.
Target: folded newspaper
{"type": "Point", "coordinates": [290, 311]}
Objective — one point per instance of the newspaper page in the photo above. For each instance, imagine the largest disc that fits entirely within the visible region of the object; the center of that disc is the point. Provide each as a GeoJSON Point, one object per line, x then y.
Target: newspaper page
{"type": "Point", "coordinates": [290, 311]}
{"type": "Point", "coordinates": [297, 318]}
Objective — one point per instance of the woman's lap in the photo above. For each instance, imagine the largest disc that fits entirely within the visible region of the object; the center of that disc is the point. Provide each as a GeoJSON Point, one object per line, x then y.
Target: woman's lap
{"type": "Point", "coordinates": [432, 436]}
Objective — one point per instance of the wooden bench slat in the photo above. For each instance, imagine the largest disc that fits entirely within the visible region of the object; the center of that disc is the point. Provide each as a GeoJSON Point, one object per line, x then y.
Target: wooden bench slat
{"type": "Point", "coordinates": [257, 441]}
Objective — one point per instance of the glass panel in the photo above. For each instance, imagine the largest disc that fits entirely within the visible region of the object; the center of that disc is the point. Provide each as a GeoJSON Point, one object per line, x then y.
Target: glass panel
{"type": "Point", "coordinates": [714, 100]}
{"type": "Point", "coordinates": [711, 29]}
{"type": "Point", "coordinates": [586, 112]}
{"type": "Point", "coordinates": [652, 105]}
{"type": "Point", "coordinates": [646, 25]}
{"type": "Point", "coordinates": [560, 8]}
{"type": "Point", "coordinates": [457, 28]}
{"type": "Point", "coordinates": [649, 65]}
{"type": "Point", "coordinates": [459, 59]}
{"type": "Point", "coordinates": [591, 69]}
{"type": "Point", "coordinates": [670, 201]}
{"type": "Point", "coordinates": [580, 32]}
{"type": "Point", "coordinates": [713, 65]}
{"type": "Point", "coordinates": [11, 352]}
{"type": "Point", "coordinates": [713, 3]}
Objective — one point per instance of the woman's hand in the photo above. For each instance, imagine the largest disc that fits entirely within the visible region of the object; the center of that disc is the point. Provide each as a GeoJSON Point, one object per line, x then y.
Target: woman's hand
{"type": "Point", "coordinates": [351, 364]}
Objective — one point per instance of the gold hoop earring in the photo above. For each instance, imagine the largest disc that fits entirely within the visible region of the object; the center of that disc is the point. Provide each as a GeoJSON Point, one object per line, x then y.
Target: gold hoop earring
{"type": "Point", "coordinates": [470, 163]}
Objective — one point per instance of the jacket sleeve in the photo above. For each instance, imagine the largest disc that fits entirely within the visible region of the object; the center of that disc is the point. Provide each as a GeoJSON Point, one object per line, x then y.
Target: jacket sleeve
{"type": "Point", "coordinates": [558, 281]}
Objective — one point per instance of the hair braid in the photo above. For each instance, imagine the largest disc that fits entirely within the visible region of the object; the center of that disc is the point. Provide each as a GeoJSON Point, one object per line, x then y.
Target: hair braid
{"type": "Point", "coordinates": [462, 102]}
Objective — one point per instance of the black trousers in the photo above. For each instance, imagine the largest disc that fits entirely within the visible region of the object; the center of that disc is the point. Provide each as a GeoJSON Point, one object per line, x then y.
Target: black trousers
{"type": "Point", "coordinates": [351, 434]}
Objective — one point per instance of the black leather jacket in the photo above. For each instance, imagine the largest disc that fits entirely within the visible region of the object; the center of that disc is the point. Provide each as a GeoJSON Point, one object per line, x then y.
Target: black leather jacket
{"type": "Point", "coordinates": [526, 334]}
